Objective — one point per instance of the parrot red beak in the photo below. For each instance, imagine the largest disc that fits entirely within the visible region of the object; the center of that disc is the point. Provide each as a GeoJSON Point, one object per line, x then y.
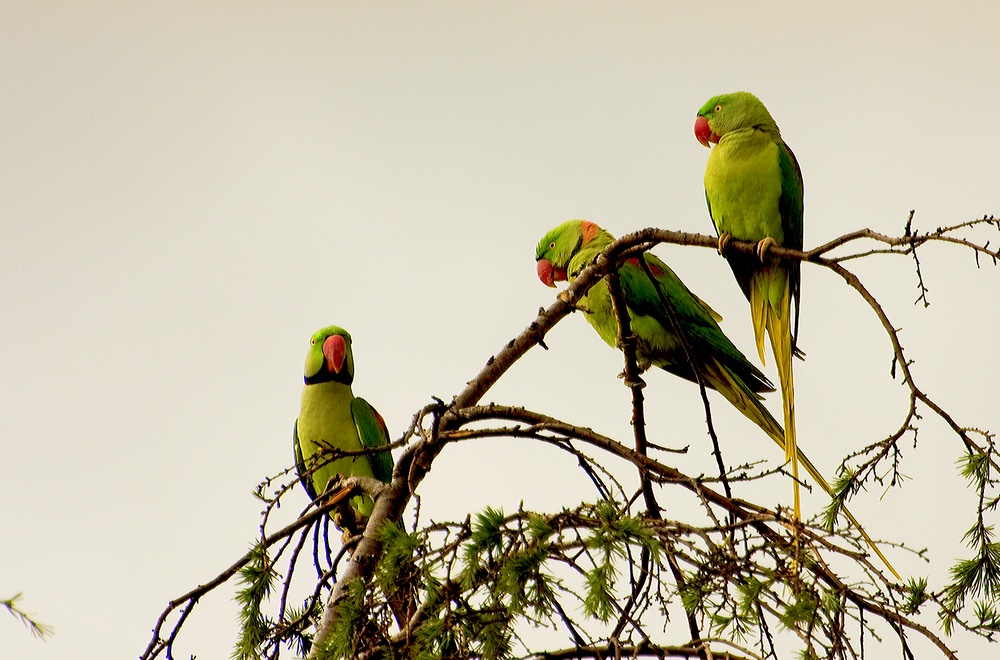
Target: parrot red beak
{"type": "Point", "coordinates": [549, 274]}
{"type": "Point", "coordinates": [335, 349]}
{"type": "Point", "coordinates": [704, 133]}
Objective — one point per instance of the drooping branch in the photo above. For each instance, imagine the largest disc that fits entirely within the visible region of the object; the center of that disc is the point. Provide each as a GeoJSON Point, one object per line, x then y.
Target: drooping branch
{"type": "Point", "coordinates": [750, 514]}
{"type": "Point", "coordinates": [190, 599]}
{"type": "Point", "coordinates": [908, 243]}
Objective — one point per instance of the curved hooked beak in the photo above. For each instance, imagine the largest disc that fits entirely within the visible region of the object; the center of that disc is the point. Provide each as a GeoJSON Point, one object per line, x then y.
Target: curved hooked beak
{"type": "Point", "coordinates": [704, 133]}
{"type": "Point", "coordinates": [549, 274]}
{"type": "Point", "coordinates": [334, 350]}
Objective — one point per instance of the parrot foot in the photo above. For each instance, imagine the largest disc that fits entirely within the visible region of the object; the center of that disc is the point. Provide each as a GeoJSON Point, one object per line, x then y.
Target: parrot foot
{"type": "Point", "coordinates": [640, 383]}
{"type": "Point", "coordinates": [763, 246]}
{"type": "Point", "coordinates": [724, 239]}
{"type": "Point", "coordinates": [344, 520]}
{"type": "Point", "coordinates": [349, 521]}
{"type": "Point", "coordinates": [565, 297]}
{"type": "Point", "coordinates": [349, 539]}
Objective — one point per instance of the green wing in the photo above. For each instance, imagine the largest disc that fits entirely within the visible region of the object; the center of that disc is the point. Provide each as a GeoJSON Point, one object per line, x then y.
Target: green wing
{"type": "Point", "coordinates": [790, 207]}
{"type": "Point", "coordinates": [300, 463]}
{"type": "Point", "coordinates": [694, 318]}
{"type": "Point", "coordinates": [790, 204]}
{"type": "Point", "coordinates": [373, 434]}
{"type": "Point", "coordinates": [708, 201]}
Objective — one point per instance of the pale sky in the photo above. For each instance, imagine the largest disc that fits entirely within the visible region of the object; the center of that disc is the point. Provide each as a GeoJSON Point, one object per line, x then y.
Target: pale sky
{"type": "Point", "coordinates": [187, 192]}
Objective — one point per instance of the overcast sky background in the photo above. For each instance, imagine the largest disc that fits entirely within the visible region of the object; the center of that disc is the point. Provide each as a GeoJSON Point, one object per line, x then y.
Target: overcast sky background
{"type": "Point", "coordinates": [187, 192]}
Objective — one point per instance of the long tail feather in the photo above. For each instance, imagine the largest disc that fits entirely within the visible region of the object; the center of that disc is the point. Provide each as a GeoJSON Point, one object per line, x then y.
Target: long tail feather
{"type": "Point", "coordinates": [780, 332]}
{"type": "Point", "coordinates": [758, 317]}
{"type": "Point", "coordinates": [749, 403]}
{"type": "Point", "coordinates": [818, 478]}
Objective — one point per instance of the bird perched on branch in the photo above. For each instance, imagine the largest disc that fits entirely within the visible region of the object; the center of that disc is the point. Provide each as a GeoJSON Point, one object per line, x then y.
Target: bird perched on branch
{"type": "Point", "coordinates": [675, 330]}
{"type": "Point", "coordinates": [753, 186]}
{"type": "Point", "coordinates": [670, 323]}
{"type": "Point", "coordinates": [332, 421]}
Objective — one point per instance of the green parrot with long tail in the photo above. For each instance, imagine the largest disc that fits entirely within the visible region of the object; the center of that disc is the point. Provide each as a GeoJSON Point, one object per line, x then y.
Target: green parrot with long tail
{"type": "Point", "coordinates": [753, 185]}
{"type": "Point", "coordinates": [572, 246]}
{"type": "Point", "coordinates": [332, 419]}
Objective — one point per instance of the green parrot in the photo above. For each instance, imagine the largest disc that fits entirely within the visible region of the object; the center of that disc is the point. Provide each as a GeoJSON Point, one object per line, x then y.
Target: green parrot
{"type": "Point", "coordinates": [753, 185]}
{"type": "Point", "coordinates": [333, 419]}
{"type": "Point", "coordinates": [572, 246]}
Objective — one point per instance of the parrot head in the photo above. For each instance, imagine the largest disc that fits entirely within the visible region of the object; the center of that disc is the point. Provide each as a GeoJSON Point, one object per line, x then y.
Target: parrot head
{"type": "Point", "coordinates": [559, 246]}
{"type": "Point", "coordinates": [330, 357]}
{"type": "Point", "coordinates": [730, 112]}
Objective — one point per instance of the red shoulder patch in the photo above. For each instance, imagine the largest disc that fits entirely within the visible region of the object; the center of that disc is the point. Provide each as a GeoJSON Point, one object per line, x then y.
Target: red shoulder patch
{"type": "Point", "coordinates": [653, 268]}
{"type": "Point", "coordinates": [589, 230]}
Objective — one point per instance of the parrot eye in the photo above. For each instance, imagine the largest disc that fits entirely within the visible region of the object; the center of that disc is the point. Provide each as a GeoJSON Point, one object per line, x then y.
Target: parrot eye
{"type": "Point", "coordinates": [718, 108]}
{"type": "Point", "coordinates": [552, 245]}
